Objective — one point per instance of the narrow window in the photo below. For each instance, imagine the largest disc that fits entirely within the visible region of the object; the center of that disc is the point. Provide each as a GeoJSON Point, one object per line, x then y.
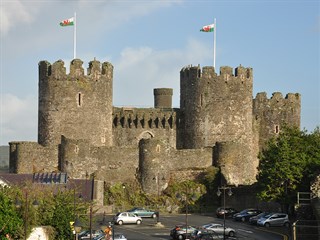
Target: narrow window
{"type": "Point", "coordinates": [201, 100]}
{"type": "Point", "coordinates": [79, 99]}
{"type": "Point", "coordinates": [158, 148]}
{"type": "Point", "coordinates": [276, 129]}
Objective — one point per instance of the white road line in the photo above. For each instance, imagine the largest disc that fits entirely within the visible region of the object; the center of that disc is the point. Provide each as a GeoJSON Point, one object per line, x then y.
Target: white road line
{"type": "Point", "coordinates": [246, 231]}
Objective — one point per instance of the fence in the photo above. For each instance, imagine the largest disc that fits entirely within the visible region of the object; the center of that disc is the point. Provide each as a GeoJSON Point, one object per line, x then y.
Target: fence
{"type": "Point", "coordinates": [306, 230]}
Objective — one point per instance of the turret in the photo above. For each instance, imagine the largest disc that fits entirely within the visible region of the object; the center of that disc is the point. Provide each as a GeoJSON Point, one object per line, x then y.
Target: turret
{"type": "Point", "coordinates": [163, 97]}
{"type": "Point", "coordinates": [215, 107]}
{"type": "Point", "coordinates": [75, 105]}
{"type": "Point", "coordinates": [275, 112]}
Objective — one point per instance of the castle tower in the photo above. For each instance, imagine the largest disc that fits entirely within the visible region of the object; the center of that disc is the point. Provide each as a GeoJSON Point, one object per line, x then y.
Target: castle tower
{"type": "Point", "coordinates": [218, 109]}
{"type": "Point", "coordinates": [75, 105]}
{"type": "Point", "coordinates": [272, 114]}
{"type": "Point", "coordinates": [163, 97]}
{"type": "Point", "coordinates": [215, 108]}
{"type": "Point", "coordinates": [153, 172]}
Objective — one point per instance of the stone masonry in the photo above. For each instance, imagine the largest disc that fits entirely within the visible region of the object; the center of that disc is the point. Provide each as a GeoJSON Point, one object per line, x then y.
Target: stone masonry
{"type": "Point", "coordinates": [218, 123]}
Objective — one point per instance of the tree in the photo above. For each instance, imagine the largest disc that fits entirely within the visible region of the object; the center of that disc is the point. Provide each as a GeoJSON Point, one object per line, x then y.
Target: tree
{"type": "Point", "coordinates": [287, 164]}
{"type": "Point", "coordinates": [10, 222]}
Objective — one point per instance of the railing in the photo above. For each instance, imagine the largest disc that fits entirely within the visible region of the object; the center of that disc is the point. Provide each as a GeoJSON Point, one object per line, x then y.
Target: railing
{"type": "Point", "coordinates": [304, 198]}
{"type": "Point", "coordinates": [306, 229]}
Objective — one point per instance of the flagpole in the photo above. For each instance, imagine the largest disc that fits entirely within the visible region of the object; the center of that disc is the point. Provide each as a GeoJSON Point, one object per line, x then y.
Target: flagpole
{"type": "Point", "coordinates": [214, 44]}
{"type": "Point", "coordinates": [74, 37]}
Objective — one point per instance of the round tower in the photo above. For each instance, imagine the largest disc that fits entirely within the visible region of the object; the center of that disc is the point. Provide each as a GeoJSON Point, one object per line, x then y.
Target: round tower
{"type": "Point", "coordinates": [75, 105]}
{"type": "Point", "coordinates": [163, 97]}
{"type": "Point", "coordinates": [153, 172]}
{"type": "Point", "coordinates": [215, 107]}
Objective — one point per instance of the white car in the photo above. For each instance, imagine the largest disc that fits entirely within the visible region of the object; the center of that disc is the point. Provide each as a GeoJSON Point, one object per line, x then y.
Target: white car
{"type": "Point", "coordinates": [126, 217]}
{"type": "Point", "coordinates": [218, 228]}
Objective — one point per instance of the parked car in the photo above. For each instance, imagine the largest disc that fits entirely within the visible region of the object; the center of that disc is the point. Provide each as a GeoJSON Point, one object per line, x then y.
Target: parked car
{"type": "Point", "coordinates": [253, 220]}
{"type": "Point", "coordinates": [119, 236]}
{"type": "Point", "coordinates": [274, 219]}
{"type": "Point", "coordinates": [244, 215]}
{"type": "Point", "coordinates": [116, 236]}
{"type": "Point", "coordinates": [182, 232]}
{"type": "Point", "coordinates": [142, 212]}
{"type": "Point", "coordinates": [84, 235]}
{"type": "Point", "coordinates": [228, 212]}
{"type": "Point", "coordinates": [126, 217]}
{"type": "Point", "coordinates": [220, 229]}
{"type": "Point", "coordinates": [206, 235]}
{"type": "Point", "coordinates": [100, 237]}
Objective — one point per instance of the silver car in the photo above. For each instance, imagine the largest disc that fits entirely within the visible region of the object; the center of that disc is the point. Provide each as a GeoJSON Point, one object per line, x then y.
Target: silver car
{"type": "Point", "coordinates": [219, 229]}
{"type": "Point", "coordinates": [126, 217]}
{"type": "Point", "coordinates": [274, 219]}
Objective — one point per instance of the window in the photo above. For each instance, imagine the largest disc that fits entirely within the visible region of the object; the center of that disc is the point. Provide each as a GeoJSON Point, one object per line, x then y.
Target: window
{"type": "Point", "coordinates": [79, 99]}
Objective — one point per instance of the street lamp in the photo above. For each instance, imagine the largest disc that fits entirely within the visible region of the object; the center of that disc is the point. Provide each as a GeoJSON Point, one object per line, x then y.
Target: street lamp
{"type": "Point", "coordinates": [185, 198]}
{"type": "Point", "coordinates": [18, 204]}
{"type": "Point", "coordinates": [77, 227]}
{"type": "Point", "coordinates": [224, 188]}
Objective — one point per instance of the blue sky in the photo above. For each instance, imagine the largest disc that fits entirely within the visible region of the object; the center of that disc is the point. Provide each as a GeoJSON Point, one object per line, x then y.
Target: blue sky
{"type": "Point", "coordinates": [149, 42]}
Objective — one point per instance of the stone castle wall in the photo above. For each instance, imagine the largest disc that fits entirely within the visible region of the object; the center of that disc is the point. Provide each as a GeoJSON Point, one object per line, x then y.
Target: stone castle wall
{"type": "Point", "coordinates": [31, 157]}
{"type": "Point", "coordinates": [130, 125]}
{"type": "Point", "coordinates": [218, 123]}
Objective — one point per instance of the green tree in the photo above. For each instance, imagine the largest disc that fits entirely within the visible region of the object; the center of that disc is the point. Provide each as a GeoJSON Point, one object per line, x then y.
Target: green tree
{"type": "Point", "coordinates": [10, 221]}
{"type": "Point", "coordinates": [287, 163]}
{"type": "Point", "coordinates": [64, 212]}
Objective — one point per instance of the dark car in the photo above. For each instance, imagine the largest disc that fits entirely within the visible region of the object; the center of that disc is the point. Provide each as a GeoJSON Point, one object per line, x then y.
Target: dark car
{"type": "Point", "coordinates": [244, 215]}
{"type": "Point", "coordinates": [253, 220]}
{"type": "Point", "coordinates": [142, 212]}
{"type": "Point", "coordinates": [228, 212]}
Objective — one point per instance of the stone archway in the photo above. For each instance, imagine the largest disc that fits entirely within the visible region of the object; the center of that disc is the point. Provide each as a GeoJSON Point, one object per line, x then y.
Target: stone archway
{"type": "Point", "coordinates": [145, 135]}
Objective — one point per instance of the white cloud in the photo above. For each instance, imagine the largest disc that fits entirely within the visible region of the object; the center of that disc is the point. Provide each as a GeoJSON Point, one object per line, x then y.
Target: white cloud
{"type": "Point", "coordinates": [13, 13]}
{"type": "Point", "coordinates": [140, 70]}
{"type": "Point", "coordinates": [18, 118]}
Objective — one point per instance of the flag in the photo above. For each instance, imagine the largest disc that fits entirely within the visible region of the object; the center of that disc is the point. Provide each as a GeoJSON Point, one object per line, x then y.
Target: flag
{"type": "Point", "coordinates": [208, 28]}
{"type": "Point", "coordinates": [67, 22]}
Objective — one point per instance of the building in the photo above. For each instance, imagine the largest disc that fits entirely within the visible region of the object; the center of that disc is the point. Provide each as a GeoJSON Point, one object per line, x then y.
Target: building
{"type": "Point", "coordinates": [218, 123]}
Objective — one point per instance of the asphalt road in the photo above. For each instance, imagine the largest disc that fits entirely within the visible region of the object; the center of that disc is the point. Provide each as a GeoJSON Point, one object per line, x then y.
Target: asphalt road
{"type": "Point", "coordinates": [149, 230]}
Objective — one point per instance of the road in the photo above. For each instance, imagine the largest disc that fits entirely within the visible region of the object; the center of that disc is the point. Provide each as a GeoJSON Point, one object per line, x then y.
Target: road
{"type": "Point", "coordinates": [148, 230]}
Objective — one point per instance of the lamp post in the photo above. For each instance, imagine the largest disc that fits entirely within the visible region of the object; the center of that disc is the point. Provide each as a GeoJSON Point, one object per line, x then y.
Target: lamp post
{"type": "Point", "coordinates": [185, 198]}
{"type": "Point", "coordinates": [18, 204]}
{"type": "Point", "coordinates": [91, 203]}
{"type": "Point", "coordinates": [224, 188]}
{"type": "Point", "coordinates": [77, 227]}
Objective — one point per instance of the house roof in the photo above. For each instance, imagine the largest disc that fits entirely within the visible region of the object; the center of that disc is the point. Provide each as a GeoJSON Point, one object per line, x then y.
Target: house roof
{"type": "Point", "coordinates": [60, 181]}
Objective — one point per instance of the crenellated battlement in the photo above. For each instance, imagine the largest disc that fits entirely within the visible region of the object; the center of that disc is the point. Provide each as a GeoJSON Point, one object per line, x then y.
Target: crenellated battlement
{"type": "Point", "coordinates": [143, 118]}
{"type": "Point", "coordinates": [278, 97]}
{"type": "Point", "coordinates": [57, 70]}
{"type": "Point", "coordinates": [225, 72]}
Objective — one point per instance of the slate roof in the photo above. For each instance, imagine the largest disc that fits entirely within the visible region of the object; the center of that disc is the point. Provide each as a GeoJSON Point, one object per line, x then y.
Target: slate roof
{"type": "Point", "coordinates": [59, 181]}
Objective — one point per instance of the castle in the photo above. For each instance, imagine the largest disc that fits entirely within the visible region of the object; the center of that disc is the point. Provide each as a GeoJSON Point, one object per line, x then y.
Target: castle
{"type": "Point", "coordinates": [218, 123]}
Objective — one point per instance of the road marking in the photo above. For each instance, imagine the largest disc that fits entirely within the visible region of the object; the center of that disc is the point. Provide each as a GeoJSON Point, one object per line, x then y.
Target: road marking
{"type": "Point", "coordinates": [246, 231]}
